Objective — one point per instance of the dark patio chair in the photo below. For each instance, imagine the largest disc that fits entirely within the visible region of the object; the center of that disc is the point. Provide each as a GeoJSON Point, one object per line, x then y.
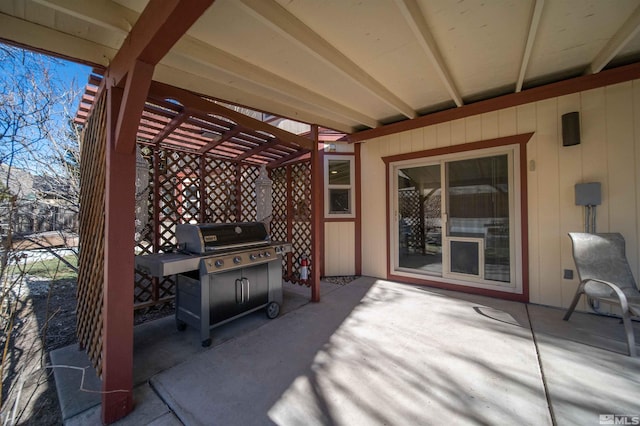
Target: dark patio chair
{"type": "Point", "coordinates": [605, 276]}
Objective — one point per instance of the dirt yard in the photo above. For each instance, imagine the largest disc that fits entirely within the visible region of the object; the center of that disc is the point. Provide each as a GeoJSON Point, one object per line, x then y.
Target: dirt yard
{"type": "Point", "coordinates": [46, 321]}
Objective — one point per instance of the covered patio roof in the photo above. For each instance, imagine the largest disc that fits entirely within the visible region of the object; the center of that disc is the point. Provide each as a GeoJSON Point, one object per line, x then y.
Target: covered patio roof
{"type": "Point", "coordinates": [350, 65]}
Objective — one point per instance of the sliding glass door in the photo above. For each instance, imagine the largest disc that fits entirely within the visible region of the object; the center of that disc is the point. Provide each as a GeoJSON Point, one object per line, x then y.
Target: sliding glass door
{"type": "Point", "coordinates": [455, 218]}
{"type": "Point", "coordinates": [478, 217]}
{"type": "Point", "coordinates": [420, 219]}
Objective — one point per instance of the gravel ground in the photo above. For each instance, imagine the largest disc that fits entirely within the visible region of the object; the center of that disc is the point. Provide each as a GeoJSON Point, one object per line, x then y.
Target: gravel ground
{"type": "Point", "coordinates": [45, 321]}
{"type": "Point", "coordinates": [341, 280]}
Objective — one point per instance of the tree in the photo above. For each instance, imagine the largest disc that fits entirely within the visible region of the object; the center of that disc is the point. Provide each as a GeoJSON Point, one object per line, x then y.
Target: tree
{"type": "Point", "coordinates": [37, 132]}
{"type": "Point", "coordinates": [39, 159]}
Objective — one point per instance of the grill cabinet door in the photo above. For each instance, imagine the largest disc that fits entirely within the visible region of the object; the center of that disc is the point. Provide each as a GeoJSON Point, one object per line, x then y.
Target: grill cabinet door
{"type": "Point", "coordinates": [234, 292]}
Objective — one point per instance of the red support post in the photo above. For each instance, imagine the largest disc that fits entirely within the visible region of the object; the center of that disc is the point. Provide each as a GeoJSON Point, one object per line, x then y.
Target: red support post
{"type": "Point", "coordinates": [117, 335]}
{"type": "Point", "coordinates": [317, 195]}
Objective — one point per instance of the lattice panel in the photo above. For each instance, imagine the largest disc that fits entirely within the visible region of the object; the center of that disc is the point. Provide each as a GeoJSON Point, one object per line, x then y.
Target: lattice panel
{"type": "Point", "coordinates": [166, 288]}
{"type": "Point", "coordinates": [248, 193]}
{"type": "Point", "coordinates": [145, 244]}
{"type": "Point", "coordinates": [301, 204]}
{"type": "Point", "coordinates": [91, 232]}
{"type": "Point", "coordinates": [185, 196]}
{"type": "Point", "coordinates": [220, 191]}
{"type": "Point", "coordinates": [279, 217]}
{"type": "Point", "coordinates": [179, 194]}
{"type": "Point", "coordinates": [143, 290]}
{"type": "Point", "coordinates": [279, 201]}
{"type": "Point", "coordinates": [412, 224]}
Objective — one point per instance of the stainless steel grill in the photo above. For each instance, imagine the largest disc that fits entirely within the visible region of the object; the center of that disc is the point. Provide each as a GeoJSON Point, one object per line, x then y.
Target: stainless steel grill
{"type": "Point", "coordinates": [224, 271]}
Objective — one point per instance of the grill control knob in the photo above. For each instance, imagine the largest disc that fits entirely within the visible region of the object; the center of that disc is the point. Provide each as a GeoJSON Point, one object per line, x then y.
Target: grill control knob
{"type": "Point", "coordinates": [237, 260]}
{"type": "Point", "coordinates": [261, 255]}
{"type": "Point", "coordinates": [252, 256]}
{"type": "Point", "coordinates": [219, 263]}
{"type": "Point", "coordinates": [267, 254]}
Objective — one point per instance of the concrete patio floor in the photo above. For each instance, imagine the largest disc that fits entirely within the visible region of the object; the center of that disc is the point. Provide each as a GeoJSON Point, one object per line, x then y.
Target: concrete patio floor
{"type": "Point", "coordinates": [375, 352]}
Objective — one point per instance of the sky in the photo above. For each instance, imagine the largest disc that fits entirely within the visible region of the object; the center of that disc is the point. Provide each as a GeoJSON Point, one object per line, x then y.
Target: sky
{"type": "Point", "coordinates": [66, 75]}
{"type": "Point", "coordinates": [72, 73]}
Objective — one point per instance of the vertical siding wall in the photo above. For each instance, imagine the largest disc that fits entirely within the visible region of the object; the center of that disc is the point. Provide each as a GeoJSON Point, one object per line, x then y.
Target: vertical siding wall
{"type": "Point", "coordinates": [340, 236]}
{"type": "Point", "coordinates": [339, 248]}
{"type": "Point", "coordinates": [609, 153]}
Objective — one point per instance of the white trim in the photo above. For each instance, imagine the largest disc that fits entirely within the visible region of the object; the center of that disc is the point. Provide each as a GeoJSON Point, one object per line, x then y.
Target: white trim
{"type": "Point", "coordinates": [351, 187]}
{"type": "Point", "coordinates": [446, 266]}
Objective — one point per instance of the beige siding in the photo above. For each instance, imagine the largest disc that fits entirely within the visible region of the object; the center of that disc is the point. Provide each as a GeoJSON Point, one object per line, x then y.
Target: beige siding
{"type": "Point", "coordinates": [609, 153]}
{"type": "Point", "coordinates": [339, 250]}
{"type": "Point", "coordinates": [571, 217]}
{"type": "Point", "coordinates": [374, 238]}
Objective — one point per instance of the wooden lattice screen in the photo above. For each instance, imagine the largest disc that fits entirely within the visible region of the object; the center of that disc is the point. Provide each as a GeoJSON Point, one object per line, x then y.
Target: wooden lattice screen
{"type": "Point", "coordinates": [188, 187]}
{"type": "Point", "coordinates": [418, 213]}
{"type": "Point", "coordinates": [292, 216]}
{"type": "Point", "coordinates": [91, 231]}
{"type": "Point", "coordinates": [411, 210]}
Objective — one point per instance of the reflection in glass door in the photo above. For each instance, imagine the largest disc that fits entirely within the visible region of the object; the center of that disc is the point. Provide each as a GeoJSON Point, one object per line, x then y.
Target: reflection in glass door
{"type": "Point", "coordinates": [478, 217]}
{"type": "Point", "coordinates": [454, 219]}
{"type": "Point", "coordinates": [420, 219]}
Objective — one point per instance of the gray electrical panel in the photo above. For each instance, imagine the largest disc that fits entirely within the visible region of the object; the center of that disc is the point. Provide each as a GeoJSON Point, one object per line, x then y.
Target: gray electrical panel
{"type": "Point", "coordinates": [588, 194]}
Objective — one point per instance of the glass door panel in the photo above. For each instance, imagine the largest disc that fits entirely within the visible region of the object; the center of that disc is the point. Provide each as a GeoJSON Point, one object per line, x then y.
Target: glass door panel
{"type": "Point", "coordinates": [420, 219]}
{"type": "Point", "coordinates": [478, 210]}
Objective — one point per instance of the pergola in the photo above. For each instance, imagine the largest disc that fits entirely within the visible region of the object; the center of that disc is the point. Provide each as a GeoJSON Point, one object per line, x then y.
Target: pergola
{"type": "Point", "coordinates": [125, 108]}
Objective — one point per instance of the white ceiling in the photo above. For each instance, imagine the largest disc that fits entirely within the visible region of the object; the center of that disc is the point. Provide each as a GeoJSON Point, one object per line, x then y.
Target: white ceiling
{"type": "Point", "coordinates": [351, 64]}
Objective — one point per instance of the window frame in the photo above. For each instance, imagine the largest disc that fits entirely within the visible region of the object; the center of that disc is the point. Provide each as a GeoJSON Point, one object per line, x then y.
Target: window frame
{"type": "Point", "coordinates": [350, 187]}
{"type": "Point", "coordinates": [459, 280]}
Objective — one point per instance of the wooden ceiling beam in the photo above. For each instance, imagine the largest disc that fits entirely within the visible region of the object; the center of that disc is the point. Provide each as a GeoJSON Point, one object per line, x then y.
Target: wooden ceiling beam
{"type": "Point", "coordinates": [216, 87]}
{"type": "Point", "coordinates": [553, 90]}
{"type": "Point", "coordinates": [415, 18]}
{"type": "Point", "coordinates": [105, 14]}
{"type": "Point", "coordinates": [171, 126]}
{"type": "Point", "coordinates": [43, 39]}
{"type": "Point", "coordinates": [257, 149]}
{"type": "Point", "coordinates": [212, 57]}
{"type": "Point", "coordinates": [287, 158]}
{"type": "Point", "coordinates": [225, 137]}
{"type": "Point", "coordinates": [534, 23]}
{"type": "Point", "coordinates": [159, 27]}
{"type": "Point", "coordinates": [620, 39]}
{"type": "Point", "coordinates": [287, 24]}
{"type": "Point", "coordinates": [138, 79]}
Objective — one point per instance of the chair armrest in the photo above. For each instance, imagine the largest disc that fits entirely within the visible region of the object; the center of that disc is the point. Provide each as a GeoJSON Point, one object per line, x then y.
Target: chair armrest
{"type": "Point", "coordinates": [624, 305]}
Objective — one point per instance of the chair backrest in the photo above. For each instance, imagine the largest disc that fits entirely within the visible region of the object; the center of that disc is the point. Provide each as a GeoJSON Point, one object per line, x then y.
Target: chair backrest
{"type": "Point", "coordinates": [602, 256]}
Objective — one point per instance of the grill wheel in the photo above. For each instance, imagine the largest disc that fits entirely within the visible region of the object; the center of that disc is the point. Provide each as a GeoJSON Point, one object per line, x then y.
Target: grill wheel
{"type": "Point", "coordinates": [273, 309]}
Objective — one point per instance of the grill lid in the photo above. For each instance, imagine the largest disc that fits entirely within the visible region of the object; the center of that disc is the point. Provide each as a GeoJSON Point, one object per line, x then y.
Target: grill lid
{"type": "Point", "coordinates": [207, 237]}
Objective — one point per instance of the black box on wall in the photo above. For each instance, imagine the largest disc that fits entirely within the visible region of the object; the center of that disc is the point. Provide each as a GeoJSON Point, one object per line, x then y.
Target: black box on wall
{"type": "Point", "coordinates": [571, 129]}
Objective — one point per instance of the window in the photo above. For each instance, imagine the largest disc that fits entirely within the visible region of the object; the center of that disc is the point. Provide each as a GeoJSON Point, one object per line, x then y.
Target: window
{"type": "Point", "coordinates": [339, 184]}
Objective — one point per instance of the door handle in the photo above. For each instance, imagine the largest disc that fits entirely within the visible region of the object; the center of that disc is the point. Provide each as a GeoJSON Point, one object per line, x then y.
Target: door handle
{"type": "Point", "coordinates": [239, 287]}
{"type": "Point", "coordinates": [246, 281]}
